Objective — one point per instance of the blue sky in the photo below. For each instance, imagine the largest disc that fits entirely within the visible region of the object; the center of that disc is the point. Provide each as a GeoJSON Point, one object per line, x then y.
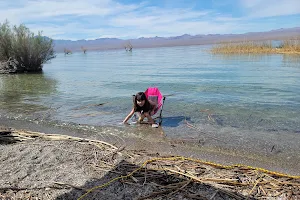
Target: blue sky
{"type": "Point", "coordinates": [129, 19]}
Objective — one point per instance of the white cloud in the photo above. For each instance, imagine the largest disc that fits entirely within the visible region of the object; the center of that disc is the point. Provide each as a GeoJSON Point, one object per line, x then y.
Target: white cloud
{"type": "Point", "coordinates": [152, 17]}
{"type": "Point", "coordinates": [252, 3]}
{"type": "Point", "coordinates": [271, 8]}
{"type": "Point", "coordinates": [77, 19]}
{"type": "Point", "coordinates": [34, 10]}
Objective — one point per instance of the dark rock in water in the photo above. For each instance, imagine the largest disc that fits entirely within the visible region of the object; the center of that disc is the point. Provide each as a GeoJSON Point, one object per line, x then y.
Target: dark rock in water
{"type": "Point", "coordinates": [218, 120]}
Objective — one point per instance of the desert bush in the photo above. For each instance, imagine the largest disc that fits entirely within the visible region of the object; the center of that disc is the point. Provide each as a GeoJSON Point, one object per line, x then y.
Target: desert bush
{"type": "Point", "coordinates": [28, 50]}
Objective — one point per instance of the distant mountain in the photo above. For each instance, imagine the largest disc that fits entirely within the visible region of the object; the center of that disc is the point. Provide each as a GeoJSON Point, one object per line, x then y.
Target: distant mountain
{"type": "Point", "coordinates": [183, 40]}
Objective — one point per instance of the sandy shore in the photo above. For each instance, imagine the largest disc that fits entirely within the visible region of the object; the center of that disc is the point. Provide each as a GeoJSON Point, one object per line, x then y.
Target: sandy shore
{"type": "Point", "coordinates": [44, 166]}
{"type": "Point", "coordinates": [277, 152]}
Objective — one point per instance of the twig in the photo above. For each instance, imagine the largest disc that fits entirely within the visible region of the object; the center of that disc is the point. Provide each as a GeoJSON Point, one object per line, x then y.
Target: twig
{"type": "Point", "coordinates": [41, 188]}
{"type": "Point", "coordinates": [207, 180]}
{"type": "Point", "coordinates": [262, 189]}
{"type": "Point", "coordinates": [117, 151]}
{"type": "Point", "coordinates": [213, 196]}
{"type": "Point", "coordinates": [70, 185]}
{"type": "Point", "coordinates": [236, 196]}
{"type": "Point", "coordinates": [186, 184]}
{"type": "Point", "coordinates": [154, 194]}
{"type": "Point", "coordinates": [145, 175]}
{"type": "Point", "coordinates": [260, 178]}
{"type": "Point", "coordinates": [196, 196]}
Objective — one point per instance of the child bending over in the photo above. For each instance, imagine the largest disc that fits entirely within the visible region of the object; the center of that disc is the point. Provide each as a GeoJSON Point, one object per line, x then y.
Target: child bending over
{"type": "Point", "coordinates": [143, 106]}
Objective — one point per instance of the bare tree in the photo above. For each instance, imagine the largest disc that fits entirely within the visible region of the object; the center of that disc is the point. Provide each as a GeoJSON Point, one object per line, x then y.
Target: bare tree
{"type": "Point", "coordinates": [83, 49]}
{"type": "Point", "coordinates": [128, 46]}
{"type": "Point", "coordinates": [67, 51]}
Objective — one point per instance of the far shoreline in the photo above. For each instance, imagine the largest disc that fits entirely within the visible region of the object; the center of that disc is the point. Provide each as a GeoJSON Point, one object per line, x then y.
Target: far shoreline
{"type": "Point", "coordinates": [103, 44]}
{"type": "Point", "coordinates": [214, 45]}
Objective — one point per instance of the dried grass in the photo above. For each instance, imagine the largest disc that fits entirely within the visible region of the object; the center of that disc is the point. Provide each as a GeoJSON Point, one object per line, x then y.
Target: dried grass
{"type": "Point", "coordinates": [290, 46]}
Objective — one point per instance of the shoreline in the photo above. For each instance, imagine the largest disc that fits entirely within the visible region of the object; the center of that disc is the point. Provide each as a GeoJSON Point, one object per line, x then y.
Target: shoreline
{"type": "Point", "coordinates": [271, 160]}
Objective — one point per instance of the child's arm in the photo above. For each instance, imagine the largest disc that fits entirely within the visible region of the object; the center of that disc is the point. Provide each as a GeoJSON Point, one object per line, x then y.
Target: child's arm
{"type": "Point", "coordinates": [152, 103]}
{"type": "Point", "coordinates": [129, 116]}
{"type": "Point", "coordinates": [153, 106]}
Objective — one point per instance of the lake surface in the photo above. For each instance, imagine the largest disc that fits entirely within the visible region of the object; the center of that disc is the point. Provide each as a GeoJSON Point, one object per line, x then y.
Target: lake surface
{"type": "Point", "coordinates": [246, 101]}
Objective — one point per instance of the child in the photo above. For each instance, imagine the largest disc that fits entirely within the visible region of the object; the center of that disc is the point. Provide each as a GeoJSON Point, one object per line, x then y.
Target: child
{"type": "Point", "coordinates": [143, 106]}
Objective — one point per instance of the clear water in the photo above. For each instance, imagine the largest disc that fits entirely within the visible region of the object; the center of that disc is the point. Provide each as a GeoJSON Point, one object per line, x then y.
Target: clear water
{"type": "Point", "coordinates": [253, 96]}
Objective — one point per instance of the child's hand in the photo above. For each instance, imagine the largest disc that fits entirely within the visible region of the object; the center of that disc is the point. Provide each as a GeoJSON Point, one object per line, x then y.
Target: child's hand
{"type": "Point", "coordinates": [152, 113]}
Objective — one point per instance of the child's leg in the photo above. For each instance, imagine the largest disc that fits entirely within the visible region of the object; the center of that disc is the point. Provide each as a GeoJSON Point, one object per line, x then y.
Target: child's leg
{"type": "Point", "coordinates": [141, 117]}
{"type": "Point", "coordinates": [150, 120]}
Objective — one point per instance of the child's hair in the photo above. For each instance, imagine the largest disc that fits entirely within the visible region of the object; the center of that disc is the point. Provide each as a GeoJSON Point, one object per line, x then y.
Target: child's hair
{"type": "Point", "coordinates": [140, 96]}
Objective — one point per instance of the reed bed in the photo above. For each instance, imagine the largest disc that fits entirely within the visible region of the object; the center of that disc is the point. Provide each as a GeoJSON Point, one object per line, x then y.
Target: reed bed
{"type": "Point", "coordinates": [143, 175]}
{"type": "Point", "coordinates": [290, 46]}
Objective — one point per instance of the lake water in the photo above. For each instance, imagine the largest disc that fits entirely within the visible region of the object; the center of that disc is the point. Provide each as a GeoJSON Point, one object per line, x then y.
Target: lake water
{"type": "Point", "coordinates": [242, 99]}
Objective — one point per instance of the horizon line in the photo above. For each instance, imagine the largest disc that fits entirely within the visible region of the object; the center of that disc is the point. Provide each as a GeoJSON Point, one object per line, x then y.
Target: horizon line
{"type": "Point", "coordinates": [178, 35]}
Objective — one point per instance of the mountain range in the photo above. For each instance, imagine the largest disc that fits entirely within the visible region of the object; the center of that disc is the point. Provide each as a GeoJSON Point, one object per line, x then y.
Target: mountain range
{"type": "Point", "coordinates": [183, 40]}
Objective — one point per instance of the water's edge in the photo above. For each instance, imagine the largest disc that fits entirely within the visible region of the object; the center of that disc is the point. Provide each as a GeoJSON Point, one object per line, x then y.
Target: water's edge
{"type": "Point", "coordinates": [165, 146]}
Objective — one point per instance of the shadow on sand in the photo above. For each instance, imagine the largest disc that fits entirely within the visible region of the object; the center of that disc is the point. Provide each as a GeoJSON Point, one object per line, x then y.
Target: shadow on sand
{"type": "Point", "coordinates": [146, 184]}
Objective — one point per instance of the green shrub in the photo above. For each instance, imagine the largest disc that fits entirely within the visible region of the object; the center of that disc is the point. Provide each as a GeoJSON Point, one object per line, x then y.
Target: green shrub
{"type": "Point", "coordinates": [28, 50]}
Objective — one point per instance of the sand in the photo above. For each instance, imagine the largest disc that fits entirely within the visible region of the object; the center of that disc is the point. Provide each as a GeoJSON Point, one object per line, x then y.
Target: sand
{"type": "Point", "coordinates": [39, 166]}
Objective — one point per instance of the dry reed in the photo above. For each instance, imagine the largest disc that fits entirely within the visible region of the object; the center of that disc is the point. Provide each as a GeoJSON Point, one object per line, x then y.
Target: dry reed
{"type": "Point", "coordinates": [290, 46]}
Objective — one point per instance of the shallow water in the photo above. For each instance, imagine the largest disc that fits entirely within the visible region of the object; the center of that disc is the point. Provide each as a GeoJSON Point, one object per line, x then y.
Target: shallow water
{"type": "Point", "coordinates": [241, 100]}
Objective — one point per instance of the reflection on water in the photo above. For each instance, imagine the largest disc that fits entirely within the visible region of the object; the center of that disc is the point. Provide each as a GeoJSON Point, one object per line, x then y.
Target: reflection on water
{"type": "Point", "coordinates": [24, 93]}
{"type": "Point", "coordinates": [291, 60]}
{"type": "Point", "coordinates": [238, 57]}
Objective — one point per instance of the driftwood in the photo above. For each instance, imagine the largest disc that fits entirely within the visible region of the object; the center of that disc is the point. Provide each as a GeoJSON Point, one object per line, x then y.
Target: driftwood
{"type": "Point", "coordinates": [19, 136]}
